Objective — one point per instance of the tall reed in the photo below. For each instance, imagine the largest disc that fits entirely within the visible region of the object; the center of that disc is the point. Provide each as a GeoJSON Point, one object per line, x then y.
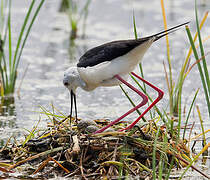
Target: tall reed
{"type": "Point", "coordinates": [203, 70]}
{"type": "Point", "coordinates": [170, 79]}
{"type": "Point", "coordinates": [76, 15]}
{"type": "Point", "coordinates": [9, 63]}
{"type": "Point", "coordinates": [175, 90]}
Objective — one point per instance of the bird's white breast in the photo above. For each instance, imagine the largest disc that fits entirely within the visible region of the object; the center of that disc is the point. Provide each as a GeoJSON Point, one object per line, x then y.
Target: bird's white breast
{"type": "Point", "coordinates": [102, 74]}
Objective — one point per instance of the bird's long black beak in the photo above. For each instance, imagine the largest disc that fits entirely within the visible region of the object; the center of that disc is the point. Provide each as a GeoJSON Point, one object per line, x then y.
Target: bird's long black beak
{"type": "Point", "coordinates": [166, 32]}
{"type": "Point", "coordinates": [75, 106]}
{"type": "Point", "coordinates": [172, 28]}
{"type": "Point", "coordinates": [73, 100]}
{"type": "Point", "coordinates": [71, 105]}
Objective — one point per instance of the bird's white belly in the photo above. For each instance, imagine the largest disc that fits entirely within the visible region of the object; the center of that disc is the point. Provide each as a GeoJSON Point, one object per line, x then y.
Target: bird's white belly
{"type": "Point", "coordinates": [103, 74]}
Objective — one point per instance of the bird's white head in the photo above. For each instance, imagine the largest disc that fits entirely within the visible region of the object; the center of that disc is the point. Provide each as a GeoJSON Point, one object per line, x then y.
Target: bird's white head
{"type": "Point", "coordinates": [72, 79]}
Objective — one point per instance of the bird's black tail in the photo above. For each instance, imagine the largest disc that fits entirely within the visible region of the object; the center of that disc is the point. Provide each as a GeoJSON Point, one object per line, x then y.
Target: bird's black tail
{"type": "Point", "coordinates": [164, 33]}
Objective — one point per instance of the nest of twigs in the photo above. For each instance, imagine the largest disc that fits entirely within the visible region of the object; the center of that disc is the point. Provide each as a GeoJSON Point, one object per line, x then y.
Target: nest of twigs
{"type": "Point", "coordinates": [66, 150]}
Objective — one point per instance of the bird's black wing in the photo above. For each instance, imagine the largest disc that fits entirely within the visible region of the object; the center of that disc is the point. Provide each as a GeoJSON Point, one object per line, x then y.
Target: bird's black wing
{"type": "Point", "coordinates": [108, 52]}
{"type": "Point", "coordinates": [112, 50]}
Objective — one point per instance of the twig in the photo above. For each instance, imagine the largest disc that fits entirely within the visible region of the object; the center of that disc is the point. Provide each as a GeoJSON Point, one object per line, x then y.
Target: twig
{"type": "Point", "coordinates": [198, 135]}
{"type": "Point", "coordinates": [5, 170]}
{"type": "Point", "coordinates": [140, 164]}
{"type": "Point", "coordinates": [75, 172]}
{"type": "Point", "coordinates": [186, 162]}
{"type": "Point", "coordinates": [131, 170]}
{"type": "Point", "coordinates": [66, 170]}
{"type": "Point", "coordinates": [93, 174]}
{"type": "Point", "coordinates": [7, 143]}
{"type": "Point", "coordinates": [80, 166]}
{"type": "Point", "coordinates": [43, 164]}
{"type": "Point", "coordinates": [113, 159]}
{"type": "Point", "coordinates": [36, 156]}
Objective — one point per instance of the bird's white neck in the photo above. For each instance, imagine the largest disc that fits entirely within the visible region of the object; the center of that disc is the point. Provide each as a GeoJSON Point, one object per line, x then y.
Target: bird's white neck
{"type": "Point", "coordinates": [72, 79]}
{"type": "Point", "coordinates": [80, 83]}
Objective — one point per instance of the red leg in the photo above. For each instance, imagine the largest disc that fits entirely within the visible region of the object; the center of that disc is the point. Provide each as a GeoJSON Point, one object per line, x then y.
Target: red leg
{"type": "Point", "coordinates": [144, 101]}
{"type": "Point", "coordinates": [160, 95]}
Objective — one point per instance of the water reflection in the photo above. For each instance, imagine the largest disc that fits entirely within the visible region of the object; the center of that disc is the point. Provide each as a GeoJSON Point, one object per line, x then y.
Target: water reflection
{"type": "Point", "coordinates": [8, 122]}
{"type": "Point", "coordinates": [77, 12]}
{"type": "Point", "coordinates": [72, 50]}
{"type": "Point", "coordinates": [7, 106]}
{"type": "Point", "coordinates": [48, 55]}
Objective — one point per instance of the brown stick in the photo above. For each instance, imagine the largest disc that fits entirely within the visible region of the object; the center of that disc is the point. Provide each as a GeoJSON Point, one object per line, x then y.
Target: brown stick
{"type": "Point", "coordinates": [81, 166]}
{"type": "Point", "coordinates": [35, 157]}
{"type": "Point", "coordinates": [43, 164]}
{"type": "Point", "coordinates": [66, 170]}
{"type": "Point", "coordinates": [186, 162]}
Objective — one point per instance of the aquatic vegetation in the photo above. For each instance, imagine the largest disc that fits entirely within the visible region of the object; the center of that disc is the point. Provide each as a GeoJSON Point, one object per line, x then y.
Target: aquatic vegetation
{"type": "Point", "coordinates": [9, 62]}
{"type": "Point", "coordinates": [203, 70]}
{"type": "Point", "coordinates": [152, 149]}
{"type": "Point", "coordinates": [185, 70]}
{"type": "Point", "coordinates": [175, 91]}
{"type": "Point", "coordinates": [75, 14]}
{"type": "Point", "coordinates": [74, 151]}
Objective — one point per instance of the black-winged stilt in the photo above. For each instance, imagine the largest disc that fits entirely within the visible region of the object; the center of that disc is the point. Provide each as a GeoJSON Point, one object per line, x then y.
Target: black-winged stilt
{"type": "Point", "coordinates": [110, 65]}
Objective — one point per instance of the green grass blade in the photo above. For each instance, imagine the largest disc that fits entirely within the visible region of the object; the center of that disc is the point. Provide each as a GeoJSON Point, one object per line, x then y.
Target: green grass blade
{"type": "Point", "coordinates": [202, 51]}
{"type": "Point", "coordinates": [202, 128]}
{"type": "Point", "coordinates": [187, 60]}
{"type": "Point", "coordinates": [28, 31]}
{"type": "Point", "coordinates": [163, 158]}
{"type": "Point", "coordinates": [199, 68]}
{"type": "Point", "coordinates": [136, 37]}
{"type": "Point", "coordinates": [9, 73]}
{"type": "Point", "coordinates": [126, 94]}
{"type": "Point", "coordinates": [31, 134]}
{"type": "Point", "coordinates": [25, 38]}
{"type": "Point", "coordinates": [194, 159]}
{"type": "Point", "coordinates": [189, 112]}
{"type": "Point", "coordinates": [169, 124]}
{"type": "Point", "coordinates": [179, 113]}
{"type": "Point", "coordinates": [160, 167]}
{"type": "Point", "coordinates": [4, 66]}
{"type": "Point", "coordinates": [10, 37]}
{"type": "Point", "coordinates": [154, 154]}
{"type": "Point", "coordinates": [58, 111]}
{"type": "Point", "coordinates": [46, 112]}
{"type": "Point", "coordinates": [170, 168]}
{"type": "Point", "coordinates": [171, 89]}
{"type": "Point", "coordinates": [22, 31]}
{"type": "Point", "coordinates": [84, 9]}
{"type": "Point", "coordinates": [3, 80]}
{"type": "Point", "coordinates": [5, 73]}
{"type": "Point", "coordinates": [134, 26]}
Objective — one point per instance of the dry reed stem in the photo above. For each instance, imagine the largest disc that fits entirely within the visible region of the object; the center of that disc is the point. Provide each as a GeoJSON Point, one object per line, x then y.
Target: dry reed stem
{"type": "Point", "coordinates": [35, 157]}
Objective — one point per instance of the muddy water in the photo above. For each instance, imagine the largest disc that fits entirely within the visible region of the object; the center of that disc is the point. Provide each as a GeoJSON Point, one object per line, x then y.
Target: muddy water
{"type": "Point", "coordinates": [48, 53]}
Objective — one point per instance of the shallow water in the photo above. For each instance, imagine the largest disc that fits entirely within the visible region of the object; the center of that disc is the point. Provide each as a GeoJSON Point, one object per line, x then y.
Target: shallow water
{"type": "Point", "coordinates": [48, 53]}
